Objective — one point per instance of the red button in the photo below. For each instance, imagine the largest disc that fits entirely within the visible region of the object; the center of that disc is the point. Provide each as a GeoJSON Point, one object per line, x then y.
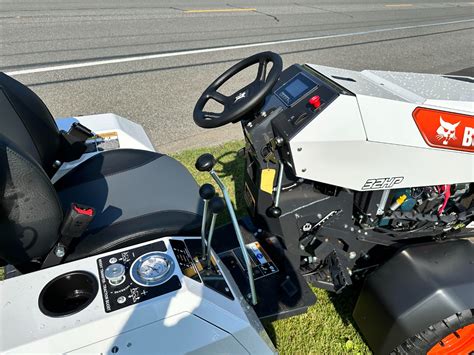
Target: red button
{"type": "Point", "coordinates": [315, 101]}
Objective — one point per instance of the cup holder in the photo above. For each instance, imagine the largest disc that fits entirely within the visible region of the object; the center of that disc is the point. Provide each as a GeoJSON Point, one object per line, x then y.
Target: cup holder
{"type": "Point", "coordinates": [68, 294]}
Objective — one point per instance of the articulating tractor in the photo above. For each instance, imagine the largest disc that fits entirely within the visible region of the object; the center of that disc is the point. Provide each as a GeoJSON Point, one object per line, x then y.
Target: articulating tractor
{"type": "Point", "coordinates": [352, 179]}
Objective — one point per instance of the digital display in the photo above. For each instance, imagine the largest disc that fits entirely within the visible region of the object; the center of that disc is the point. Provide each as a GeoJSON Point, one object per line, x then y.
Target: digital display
{"type": "Point", "coordinates": [296, 88]}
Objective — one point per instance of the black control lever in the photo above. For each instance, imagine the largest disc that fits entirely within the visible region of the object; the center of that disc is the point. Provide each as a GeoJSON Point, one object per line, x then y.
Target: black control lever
{"type": "Point", "coordinates": [216, 206]}
{"type": "Point", "coordinates": [274, 211]}
{"type": "Point", "coordinates": [206, 162]}
{"type": "Point", "coordinates": [207, 192]}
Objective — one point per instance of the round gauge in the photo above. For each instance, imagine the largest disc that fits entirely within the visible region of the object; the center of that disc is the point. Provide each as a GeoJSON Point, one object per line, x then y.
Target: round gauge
{"type": "Point", "coordinates": [152, 269]}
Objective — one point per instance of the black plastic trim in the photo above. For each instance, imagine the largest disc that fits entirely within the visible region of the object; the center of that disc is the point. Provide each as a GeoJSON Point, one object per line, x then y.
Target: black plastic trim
{"type": "Point", "coordinates": [420, 286]}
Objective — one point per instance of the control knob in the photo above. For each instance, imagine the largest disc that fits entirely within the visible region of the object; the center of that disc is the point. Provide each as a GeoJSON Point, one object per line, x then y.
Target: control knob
{"type": "Point", "coordinates": [115, 274]}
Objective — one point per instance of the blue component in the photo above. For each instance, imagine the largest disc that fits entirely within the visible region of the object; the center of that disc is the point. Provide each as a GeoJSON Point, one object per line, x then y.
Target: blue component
{"type": "Point", "coordinates": [408, 205]}
{"type": "Point", "coordinates": [384, 222]}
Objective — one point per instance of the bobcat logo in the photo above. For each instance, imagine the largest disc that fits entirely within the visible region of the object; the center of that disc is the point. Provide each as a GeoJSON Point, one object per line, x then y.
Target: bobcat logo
{"type": "Point", "coordinates": [446, 131]}
{"type": "Point", "coordinates": [240, 96]}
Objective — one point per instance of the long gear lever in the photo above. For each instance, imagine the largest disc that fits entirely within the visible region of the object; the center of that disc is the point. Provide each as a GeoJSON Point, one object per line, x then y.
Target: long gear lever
{"type": "Point", "coordinates": [216, 206]}
{"type": "Point", "coordinates": [205, 163]}
{"type": "Point", "coordinates": [207, 192]}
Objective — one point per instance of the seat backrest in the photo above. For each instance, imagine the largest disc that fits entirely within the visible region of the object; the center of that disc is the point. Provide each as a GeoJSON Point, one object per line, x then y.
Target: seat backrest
{"type": "Point", "coordinates": [26, 120]}
{"type": "Point", "coordinates": [30, 212]}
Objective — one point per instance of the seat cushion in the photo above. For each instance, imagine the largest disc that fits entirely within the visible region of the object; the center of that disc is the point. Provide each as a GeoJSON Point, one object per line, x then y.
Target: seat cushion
{"type": "Point", "coordinates": [138, 195]}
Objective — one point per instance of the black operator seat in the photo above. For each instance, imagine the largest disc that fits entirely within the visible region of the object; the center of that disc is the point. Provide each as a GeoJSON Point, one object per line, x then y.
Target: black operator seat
{"type": "Point", "coordinates": [138, 195]}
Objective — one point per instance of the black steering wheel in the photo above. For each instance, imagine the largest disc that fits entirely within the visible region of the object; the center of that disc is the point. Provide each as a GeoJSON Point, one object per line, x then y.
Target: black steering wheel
{"type": "Point", "coordinates": [244, 100]}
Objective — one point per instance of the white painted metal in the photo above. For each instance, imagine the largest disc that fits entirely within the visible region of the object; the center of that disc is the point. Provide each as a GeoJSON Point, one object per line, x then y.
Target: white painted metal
{"type": "Point", "coordinates": [194, 319]}
{"type": "Point", "coordinates": [130, 135]}
{"type": "Point", "coordinates": [373, 134]}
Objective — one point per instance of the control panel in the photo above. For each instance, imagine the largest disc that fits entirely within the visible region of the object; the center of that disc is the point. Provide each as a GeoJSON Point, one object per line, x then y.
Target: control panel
{"type": "Point", "coordinates": [136, 275]}
{"type": "Point", "coordinates": [298, 97]}
{"type": "Point", "coordinates": [305, 96]}
{"type": "Point", "coordinates": [261, 263]}
{"type": "Point", "coordinates": [188, 254]}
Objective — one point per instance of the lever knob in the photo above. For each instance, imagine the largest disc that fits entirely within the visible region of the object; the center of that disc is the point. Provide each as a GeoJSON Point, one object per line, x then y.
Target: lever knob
{"type": "Point", "coordinates": [274, 212]}
{"type": "Point", "coordinates": [115, 274]}
{"type": "Point", "coordinates": [216, 205]}
{"type": "Point", "coordinates": [205, 162]}
{"type": "Point", "coordinates": [207, 191]}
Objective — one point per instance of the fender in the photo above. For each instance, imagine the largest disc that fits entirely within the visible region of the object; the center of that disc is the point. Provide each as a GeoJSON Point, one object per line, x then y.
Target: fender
{"type": "Point", "coordinates": [419, 286]}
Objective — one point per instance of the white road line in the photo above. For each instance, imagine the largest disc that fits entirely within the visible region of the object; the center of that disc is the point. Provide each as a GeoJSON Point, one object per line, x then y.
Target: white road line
{"type": "Point", "coordinates": [218, 49]}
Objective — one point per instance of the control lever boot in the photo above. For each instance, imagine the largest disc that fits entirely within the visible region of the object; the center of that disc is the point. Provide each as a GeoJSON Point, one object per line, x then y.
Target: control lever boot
{"type": "Point", "coordinates": [274, 212]}
{"type": "Point", "coordinates": [207, 192]}
{"type": "Point", "coordinates": [205, 162]}
{"type": "Point", "coordinates": [216, 206]}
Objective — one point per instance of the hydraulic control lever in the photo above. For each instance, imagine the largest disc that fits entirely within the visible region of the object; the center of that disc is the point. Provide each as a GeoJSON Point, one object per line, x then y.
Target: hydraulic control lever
{"type": "Point", "coordinates": [207, 192]}
{"type": "Point", "coordinates": [205, 163]}
{"type": "Point", "coordinates": [216, 206]}
{"type": "Point", "coordinates": [274, 211]}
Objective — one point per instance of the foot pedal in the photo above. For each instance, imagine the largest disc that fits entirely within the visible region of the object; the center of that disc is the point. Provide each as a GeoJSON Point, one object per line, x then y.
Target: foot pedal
{"type": "Point", "coordinates": [339, 272]}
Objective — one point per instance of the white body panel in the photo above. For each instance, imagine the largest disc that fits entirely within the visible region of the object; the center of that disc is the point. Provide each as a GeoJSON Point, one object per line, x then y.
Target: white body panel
{"type": "Point", "coordinates": [373, 135]}
{"type": "Point", "coordinates": [194, 319]}
{"type": "Point", "coordinates": [129, 135]}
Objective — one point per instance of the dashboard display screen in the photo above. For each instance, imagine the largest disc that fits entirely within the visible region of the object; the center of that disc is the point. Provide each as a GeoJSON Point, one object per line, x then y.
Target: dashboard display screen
{"type": "Point", "coordinates": [296, 88]}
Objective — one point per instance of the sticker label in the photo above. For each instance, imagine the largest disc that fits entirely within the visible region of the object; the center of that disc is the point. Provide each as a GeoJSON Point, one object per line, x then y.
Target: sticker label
{"type": "Point", "coordinates": [102, 142]}
{"type": "Point", "coordinates": [382, 183]}
{"type": "Point", "coordinates": [258, 254]}
{"type": "Point", "coordinates": [267, 180]}
{"type": "Point", "coordinates": [446, 130]}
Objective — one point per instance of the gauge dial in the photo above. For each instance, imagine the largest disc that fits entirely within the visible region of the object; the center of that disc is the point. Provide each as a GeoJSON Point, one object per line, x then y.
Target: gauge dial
{"type": "Point", "coordinates": [152, 269]}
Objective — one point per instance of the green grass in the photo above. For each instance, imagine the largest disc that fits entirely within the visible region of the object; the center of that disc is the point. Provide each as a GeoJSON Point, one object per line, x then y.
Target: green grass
{"type": "Point", "coordinates": [328, 327]}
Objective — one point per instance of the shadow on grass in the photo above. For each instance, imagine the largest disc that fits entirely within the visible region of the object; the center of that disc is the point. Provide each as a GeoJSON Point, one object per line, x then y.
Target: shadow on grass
{"type": "Point", "coordinates": [345, 302]}
{"type": "Point", "coordinates": [233, 169]}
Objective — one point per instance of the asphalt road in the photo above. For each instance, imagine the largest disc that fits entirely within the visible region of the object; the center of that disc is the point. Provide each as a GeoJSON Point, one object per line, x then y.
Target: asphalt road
{"type": "Point", "coordinates": [67, 50]}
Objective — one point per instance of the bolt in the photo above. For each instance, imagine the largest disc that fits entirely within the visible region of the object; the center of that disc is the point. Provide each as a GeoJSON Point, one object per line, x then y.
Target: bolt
{"type": "Point", "coordinates": [352, 229]}
{"type": "Point", "coordinates": [319, 215]}
{"type": "Point", "coordinates": [303, 170]}
{"type": "Point", "coordinates": [359, 231]}
{"type": "Point", "coordinates": [299, 149]}
{"type": "Point", "coordinates": [352, 255]}
{"type": "Point", "coordinates": [365, 233]}
{"type": "Point", "coordinates": [346, 226]}
{"type": "Point", "coordinates": [59, 251]}
{"type": "Point", "coordinates": [301, 246]}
